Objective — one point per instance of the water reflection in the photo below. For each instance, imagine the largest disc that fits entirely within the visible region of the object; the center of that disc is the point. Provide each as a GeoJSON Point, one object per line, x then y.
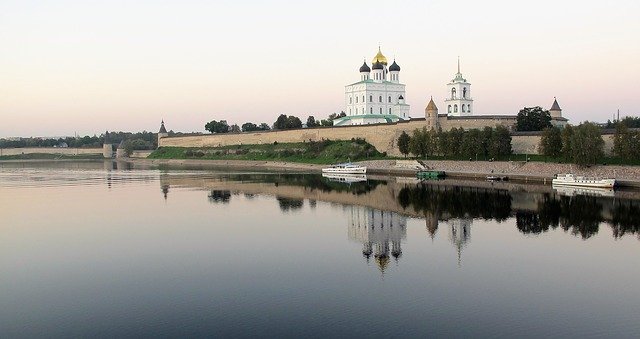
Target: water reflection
{"type": "Point", "coordinates": [574, 212]}
{"type": "Point", "coordinates": [380, 232]}
{"type": "Point", "coordinates": [460, 234]}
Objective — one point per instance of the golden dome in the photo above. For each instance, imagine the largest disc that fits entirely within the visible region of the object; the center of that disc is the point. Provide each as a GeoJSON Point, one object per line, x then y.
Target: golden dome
{"type": "Point", "coordinates": [379, 57]}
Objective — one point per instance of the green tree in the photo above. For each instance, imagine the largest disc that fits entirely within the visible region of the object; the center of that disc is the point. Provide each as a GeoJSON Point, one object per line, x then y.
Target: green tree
{"type": "Point", "coordinates": [249, 127]}
{"type": "Point", "coordinates": [626, 144]}
{"type": "Point", "coordinates": [311, 121]}
{"type": "Point", "coordinates": [533, 119]}
{"type": "Point", "coordinates": [264, 127]}
{"type": "Point", "coordinates": [403, 143]}
{"type": "Point", "coordinates": [217, 126]}
{"type": "Point", "coordinates": [551, 142]}
{"type": "Point", "coordinates": [234, 128]}
{"type": "Point", "coordinates": [287, 122]}
{"type": "Point", "coordinates": [587, 144]}
{"type": "Point", "coordinates": [567, 146]}
{"type": "Point", "coordinates": [418, 142]}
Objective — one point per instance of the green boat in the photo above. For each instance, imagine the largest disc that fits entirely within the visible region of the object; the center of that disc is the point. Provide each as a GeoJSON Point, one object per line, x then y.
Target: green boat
{"type": "Point", "coordinates": [430, 174]}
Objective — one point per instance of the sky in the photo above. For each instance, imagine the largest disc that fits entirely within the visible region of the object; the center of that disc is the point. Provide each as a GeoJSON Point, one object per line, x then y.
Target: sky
{"type": "Point", "coordinates": [84, 67]}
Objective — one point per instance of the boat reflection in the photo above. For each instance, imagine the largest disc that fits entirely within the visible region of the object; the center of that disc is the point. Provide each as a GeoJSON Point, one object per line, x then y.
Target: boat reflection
{"type": "Point", "coordinates": [571, 191]}
{"type": "Point", "coordinates": [345, 178]}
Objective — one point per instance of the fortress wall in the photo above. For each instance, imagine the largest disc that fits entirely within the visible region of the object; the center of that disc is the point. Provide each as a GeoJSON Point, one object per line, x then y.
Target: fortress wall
{"type": "Point", "coordinates": [50, 150]}
{"type": "Point", "coordinates": [478, 123]}
{"type": "Point", "coordinates": [382, 136]}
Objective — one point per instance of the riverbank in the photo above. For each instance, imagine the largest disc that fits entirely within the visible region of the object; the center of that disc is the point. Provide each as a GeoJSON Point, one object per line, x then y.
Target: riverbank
{"type": "Point", "coordinates": [534, 172]}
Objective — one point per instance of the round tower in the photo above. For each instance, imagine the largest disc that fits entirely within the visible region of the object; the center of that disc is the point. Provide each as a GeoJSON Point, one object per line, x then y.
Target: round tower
{"type": "Point", "coordinates": [120, 152]}
{"type": "Point", "coordinates": [107, 147]}
{"type": "Point", "coordinates": [162, 133]}
{"type": "Point", "coordinates": [431, 115]}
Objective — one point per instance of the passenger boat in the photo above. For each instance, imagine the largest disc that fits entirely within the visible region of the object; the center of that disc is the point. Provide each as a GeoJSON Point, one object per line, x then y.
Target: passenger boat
{"type": "Point", "coordinates": [572, 180]}
{"type": "Point", "coordinates": [345, 168]}
{"type": "Point", "coordinates": [430, 174]}
{"type": "Point", "coordinates": [572, 191]}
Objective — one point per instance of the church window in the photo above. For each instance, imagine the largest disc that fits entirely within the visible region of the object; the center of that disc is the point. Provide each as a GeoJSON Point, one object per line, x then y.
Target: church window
{"type": "Point", "coordinates": [449, 109]}
{"type": "Point", "coordinates": [469, 108]}
{"type": "Point", "coordinates": [380, 110]}
{"type": "Point", "coordinates": [371, 98]}
{"type": "Point", "coordinates": [356, 100]}
{"type": "Point", "coordinates": [389, 98]}
{"type": "Point", "coordinates": [464, 92]}
{"type": "Point", "coordinates": [363, 98]}
{"type": "Point", "coordinates": [350, 100]}
{"type": "Point", "coordinates": [389, 110]}
{"type": "Point", "coordinates": [463, 108]}
{"type": "Point", "coordinates": [455, 108]}
{"type": "Point", "coordinates": [380, 98]}
{"type": "Point", "coordinates": [349, 111]}
{"type": "Point", "coordinates": [453, 93]}
{"type": "Point", "coordinates": [371, 110]}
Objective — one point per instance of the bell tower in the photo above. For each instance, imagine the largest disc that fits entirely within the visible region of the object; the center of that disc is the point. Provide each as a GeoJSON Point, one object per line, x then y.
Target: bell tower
{"type": "Point", "coordinates": [459, 101]}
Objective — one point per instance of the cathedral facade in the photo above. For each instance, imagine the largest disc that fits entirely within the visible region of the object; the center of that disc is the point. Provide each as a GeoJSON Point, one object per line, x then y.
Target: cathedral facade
{"type": "Point", "coordinates": [378, 97]}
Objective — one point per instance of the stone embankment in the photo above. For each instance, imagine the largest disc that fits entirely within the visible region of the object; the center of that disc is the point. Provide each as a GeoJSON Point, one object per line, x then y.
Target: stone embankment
{"type": "Point", "coordinates": [527, 171]}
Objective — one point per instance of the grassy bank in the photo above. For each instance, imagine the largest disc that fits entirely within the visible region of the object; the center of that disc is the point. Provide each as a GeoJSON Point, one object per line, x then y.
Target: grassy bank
{"type": "Point", "coordinates": [320, 152]}
{"type": "Point", "coordinates": [49, 156]}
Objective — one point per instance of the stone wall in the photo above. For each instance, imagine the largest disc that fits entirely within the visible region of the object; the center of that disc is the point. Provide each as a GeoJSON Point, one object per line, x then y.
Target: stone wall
{"type": "Point", "coordinates": [382, 136]}
{"type": "Point", "coordinates": [50, 150]}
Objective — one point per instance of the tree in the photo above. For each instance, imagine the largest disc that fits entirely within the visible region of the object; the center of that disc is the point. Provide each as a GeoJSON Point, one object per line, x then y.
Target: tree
{"type": "Point", "coordinates": [626, 144]}
{"type": "Point", "coordinates": [249, 127]}
{"type": "Point", "coordinates": [418, 143]}
{"type": "Point", "coordinates": [587, 144]}
{"type": "Point", "coordinates": [287, 122]}
{"type": "Point", "coordinates": [281, 122]}
{"type": "Point", "coordinates": [533, 119]}
{"type": "Point", "coordinates": [234, 128]}
{"type": "Point", "coordinates": [403, 143]}
{"type": "Point", "coordinates": [567, 139]}
{"type": "Point", "coordinates": [311, 121]}
{"type": "Point", "coordinates": [500, 142]}
{"type": "Point", "coordinates": [217, 126]}
{"type": "Point", "coordinates": [264, 127]}
{"type": "Point", "coordinates": [293, 122]}
{"type": "Point", "coordinates": [551, 142]}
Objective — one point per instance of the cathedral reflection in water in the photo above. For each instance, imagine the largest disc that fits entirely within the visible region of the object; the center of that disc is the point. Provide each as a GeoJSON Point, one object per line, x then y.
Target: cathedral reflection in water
{"type": "Point", "coordinates": [380, 232]}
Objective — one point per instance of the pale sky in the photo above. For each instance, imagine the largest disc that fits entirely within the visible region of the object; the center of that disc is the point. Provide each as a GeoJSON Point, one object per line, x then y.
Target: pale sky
{"type": "Point", "coordinates": [88, 66]}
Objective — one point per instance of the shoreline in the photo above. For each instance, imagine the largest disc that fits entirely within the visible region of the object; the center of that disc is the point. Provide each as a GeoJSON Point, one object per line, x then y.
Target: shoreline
{"type": "Point", "coordinates": [534, 172]}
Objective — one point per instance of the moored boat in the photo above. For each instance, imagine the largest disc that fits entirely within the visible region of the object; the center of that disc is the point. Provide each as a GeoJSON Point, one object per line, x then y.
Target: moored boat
{"type": "Point", "coordinates": [573, 180]}
{"type": "Point", "coordinates": [430, 174]}
{"type": "Point", "coordinates": [345, 168]}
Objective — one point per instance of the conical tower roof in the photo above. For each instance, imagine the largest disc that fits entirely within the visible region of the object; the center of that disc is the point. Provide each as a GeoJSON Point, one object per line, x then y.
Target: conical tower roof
{"type": "Point", "coordinates": [555, 106]}
{"type": "Point", "coordinates": [162, 128]}
{"type": "Point", "coordinates": [432, 105]}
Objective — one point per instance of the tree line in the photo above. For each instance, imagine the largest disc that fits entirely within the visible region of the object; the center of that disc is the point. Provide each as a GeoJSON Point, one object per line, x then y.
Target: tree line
{"type": "Point", "coordinates": [283, 122]}
{"type": "Point", "coordinates": [139, 140]}
{"type": "Point", "coordinates": [484, 144]}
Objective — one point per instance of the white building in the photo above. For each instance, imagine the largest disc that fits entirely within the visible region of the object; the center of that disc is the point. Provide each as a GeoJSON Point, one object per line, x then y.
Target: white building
{"type": "Point", "coordinates": [459, 102]}
{"type": "Point", "coordinates": [378, 97]}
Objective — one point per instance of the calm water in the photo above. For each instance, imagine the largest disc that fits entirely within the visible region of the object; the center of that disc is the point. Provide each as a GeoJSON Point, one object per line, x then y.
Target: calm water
{"type": "Point", "coordinates": [93, 249]}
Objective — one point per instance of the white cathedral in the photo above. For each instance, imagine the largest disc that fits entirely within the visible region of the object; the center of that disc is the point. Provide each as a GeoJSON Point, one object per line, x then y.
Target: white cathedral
{"type": "Point", "coordinates": [378, 97]}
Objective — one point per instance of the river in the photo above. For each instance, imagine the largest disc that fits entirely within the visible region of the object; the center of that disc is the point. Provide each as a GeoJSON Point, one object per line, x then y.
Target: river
{"type": "Point", "coordinates": [112, 250]}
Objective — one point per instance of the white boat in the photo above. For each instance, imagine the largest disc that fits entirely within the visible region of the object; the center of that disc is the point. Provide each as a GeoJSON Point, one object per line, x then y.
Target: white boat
{"type": "Point", "coordinates": [345, 178]}
{"type": "Point", "coordinates": [572, 180]}
{"type": "Point", "coordinates": [345, 168]}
